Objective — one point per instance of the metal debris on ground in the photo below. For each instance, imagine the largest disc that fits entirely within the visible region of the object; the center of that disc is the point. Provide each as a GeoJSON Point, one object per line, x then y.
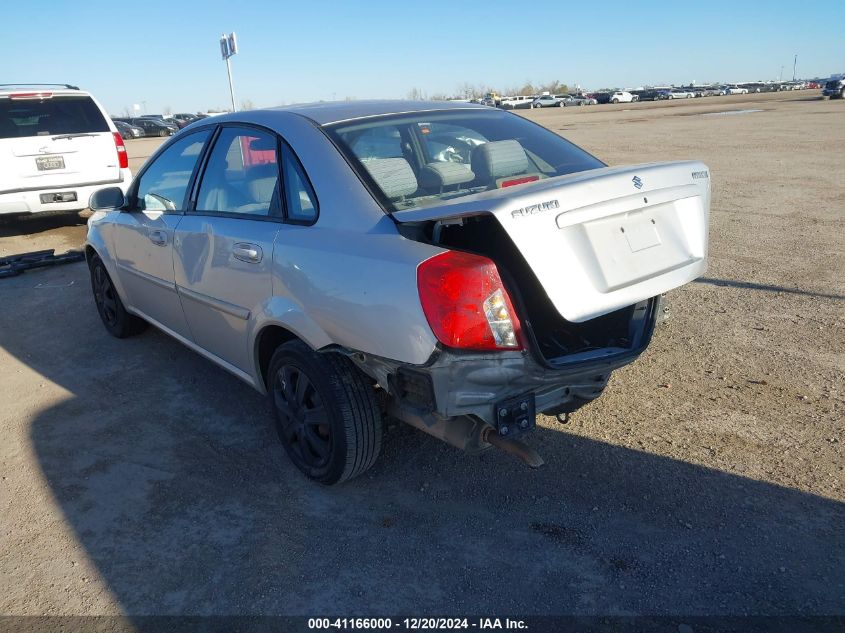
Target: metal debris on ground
{"type": "Point", "coordinates": [16, 264]}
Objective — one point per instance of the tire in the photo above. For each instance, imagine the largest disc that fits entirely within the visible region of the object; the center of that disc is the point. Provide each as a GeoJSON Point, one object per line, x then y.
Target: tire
{"type": "Point", "coordinates": [117, 321]}
{"type": "Point", "coordinates": [561, 104]}
{"type": "Point", "coordinates": [842, 93]}
{"type": "Point", "coordinates": [615, 101]}
{"type": "Point", "coordinates": [341, 438]}
{"type": "Point", "coordinates": [162, 132]}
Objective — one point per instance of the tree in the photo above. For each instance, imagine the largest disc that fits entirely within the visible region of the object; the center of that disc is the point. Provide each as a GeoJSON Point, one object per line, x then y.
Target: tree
{"type": "Point", "coordinates": [415, 94]}
{"type": "Point", "coordinates": [247, 104]}
{"type": "Point", "coordinates": [167, 111]}
{"type": "Point", "coordinates": [527, 89]}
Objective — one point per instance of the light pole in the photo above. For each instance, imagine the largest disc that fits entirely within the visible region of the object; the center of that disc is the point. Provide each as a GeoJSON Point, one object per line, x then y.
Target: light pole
{"type": "Point", "coordinates": [229, 47]}
{"type": "Point", "coordinates": [794, 64]}
{"type": "Point", "coordinates": [780, 76]}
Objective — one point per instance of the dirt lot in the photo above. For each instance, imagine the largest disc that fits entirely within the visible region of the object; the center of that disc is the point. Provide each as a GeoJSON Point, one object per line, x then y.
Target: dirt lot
{"type": "Point", "coordinates": [138, 478]}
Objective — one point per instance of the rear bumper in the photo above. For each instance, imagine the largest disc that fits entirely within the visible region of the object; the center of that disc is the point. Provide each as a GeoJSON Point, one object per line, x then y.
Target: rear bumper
{"type": "Point", "coordinates": [455, 384]}
{"type": "Point", "coordinates": [30, 200]}
{"type": "Point", "coordinates": [830, 92]}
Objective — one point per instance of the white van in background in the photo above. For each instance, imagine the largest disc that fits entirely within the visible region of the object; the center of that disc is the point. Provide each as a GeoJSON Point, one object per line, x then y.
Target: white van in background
{"type": "Point", "coordinates": [516, 102]}
{"type": "Point", "coordinates": [57, 147]}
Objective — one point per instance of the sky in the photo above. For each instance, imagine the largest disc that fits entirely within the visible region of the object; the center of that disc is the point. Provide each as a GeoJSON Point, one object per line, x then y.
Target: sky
{"type": "Point", "coordinates": [166, 55]}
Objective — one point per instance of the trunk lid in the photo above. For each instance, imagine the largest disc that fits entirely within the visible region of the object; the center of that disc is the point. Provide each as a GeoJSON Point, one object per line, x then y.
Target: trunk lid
{"type": "Point", "coordinates": [602, 239]}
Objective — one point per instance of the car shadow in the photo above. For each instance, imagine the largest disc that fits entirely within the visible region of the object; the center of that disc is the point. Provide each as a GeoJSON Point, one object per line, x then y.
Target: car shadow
{"type": "Point", "coordinates": [766, 288]}
{"type": "Point", "coordinates": [168, 473]}
{"type": "Point", "coordinates": [15, 225]}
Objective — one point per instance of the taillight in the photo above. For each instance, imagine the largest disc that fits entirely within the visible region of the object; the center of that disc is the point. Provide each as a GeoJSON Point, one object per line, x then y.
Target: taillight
{"type": "Point", "coordinates": [466, 304]}
{"type": "Point", "coordinates": [22, 96]}
{"type": "Point", "coordinates": [122, 156]}
{"type": "Point", "coordinates": [519, 181]}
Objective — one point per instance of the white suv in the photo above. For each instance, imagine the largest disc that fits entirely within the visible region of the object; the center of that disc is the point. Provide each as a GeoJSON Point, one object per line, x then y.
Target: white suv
{"type": "Point", "coordinates": [57, 147]}
{"type": "Point", "coordinates": [621, 96]}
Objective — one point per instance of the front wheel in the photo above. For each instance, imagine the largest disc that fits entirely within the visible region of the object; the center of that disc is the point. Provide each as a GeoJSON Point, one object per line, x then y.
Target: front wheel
{"type": "Point", "coordinates": [615, 101]}
{"type": "Point", "coordinates": [117, 320]}
{"type": "Point", "coordinates": [162, 132]}
{"type": "Point", "coordinates": [326, 412]}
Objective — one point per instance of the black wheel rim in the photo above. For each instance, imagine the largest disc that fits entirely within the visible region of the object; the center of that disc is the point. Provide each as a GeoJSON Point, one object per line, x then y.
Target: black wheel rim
{"type": "Point", "coordinates": [104, 296]}
{"type": "Point", "coordinates": [302, 419]}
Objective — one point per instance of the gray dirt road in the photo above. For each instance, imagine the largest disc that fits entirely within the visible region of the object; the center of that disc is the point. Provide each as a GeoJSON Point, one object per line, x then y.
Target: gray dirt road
{"type": "Point", "coordinates": [138, 478]}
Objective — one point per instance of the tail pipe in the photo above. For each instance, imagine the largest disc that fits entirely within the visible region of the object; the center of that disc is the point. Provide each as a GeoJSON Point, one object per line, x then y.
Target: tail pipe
{"type": "Point", "coordinates": [466, 433]}
{"type": "Point", "coordinates": [514, 447]}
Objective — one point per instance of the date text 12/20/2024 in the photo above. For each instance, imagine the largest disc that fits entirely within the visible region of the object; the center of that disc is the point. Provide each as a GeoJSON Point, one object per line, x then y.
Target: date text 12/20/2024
{"type": "Point", "coordinates": [415, 624]}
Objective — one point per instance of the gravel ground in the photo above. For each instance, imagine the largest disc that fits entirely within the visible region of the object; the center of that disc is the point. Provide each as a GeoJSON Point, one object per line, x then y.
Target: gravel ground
{"type": "Point", "coordinates": [138, 478]}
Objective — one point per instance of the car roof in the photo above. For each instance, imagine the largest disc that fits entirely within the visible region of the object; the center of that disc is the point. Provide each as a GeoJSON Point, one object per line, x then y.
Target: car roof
{"type": "Point", "coordinates": [328, 112]}
{"type": "Point", "coordinates": [56, 92]}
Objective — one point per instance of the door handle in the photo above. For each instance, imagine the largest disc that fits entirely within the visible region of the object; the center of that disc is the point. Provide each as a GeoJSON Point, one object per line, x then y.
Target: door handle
{"type": "Point", "coordinates": [157, 237]}
{"type": "Point", "coordinates": [246, 252]}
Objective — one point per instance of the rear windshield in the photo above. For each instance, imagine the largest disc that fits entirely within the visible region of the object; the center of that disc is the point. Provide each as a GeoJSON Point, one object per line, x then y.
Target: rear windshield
{"type": "Point", "coordinates": [51, 116]}
{"type": "Point", "coordinates": [424, 158]}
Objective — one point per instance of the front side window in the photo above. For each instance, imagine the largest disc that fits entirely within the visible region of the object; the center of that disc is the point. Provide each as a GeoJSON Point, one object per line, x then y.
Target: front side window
{"type": "Point", "coordinates": [163, 185]}
{"type": "Point", "coordinates": [417, 160]}
{"type": "Point", "coordinates": [242, 175]}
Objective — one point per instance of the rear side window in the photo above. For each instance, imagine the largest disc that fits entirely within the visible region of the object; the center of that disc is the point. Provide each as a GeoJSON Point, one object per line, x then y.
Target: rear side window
{"type": "Point", "coordinates": [163, 185]}
{"type": "Point", "coordinates": [49, 117]}
{"type": "Point", "coordinates": [300, 200]}
{"type": "Point", "coordinates": [242, 175]}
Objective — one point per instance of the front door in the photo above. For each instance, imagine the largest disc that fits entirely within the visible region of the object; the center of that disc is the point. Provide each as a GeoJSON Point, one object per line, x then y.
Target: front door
{"type": "Point", "coordinates": [223, 252]}
{"type": "Point", "coordinates": [144, 233]}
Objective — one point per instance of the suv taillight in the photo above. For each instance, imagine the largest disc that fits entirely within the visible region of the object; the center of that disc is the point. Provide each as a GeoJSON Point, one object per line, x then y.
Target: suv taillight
{"type": "Point", "coordinates": [122, 156]}
{"type": "Point", "coordinates": [466, 304]}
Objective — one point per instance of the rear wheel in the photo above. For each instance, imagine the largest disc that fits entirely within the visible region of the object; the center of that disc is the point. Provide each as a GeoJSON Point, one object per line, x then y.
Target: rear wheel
{"type": "Point", "coordinates": [615, 101]}
{"type": "Point", "coordinates": [162, 132]}
{"type": "Point", "coordinates": [325, 411]}
{"type": "Point", "coordinates": [117, 320]}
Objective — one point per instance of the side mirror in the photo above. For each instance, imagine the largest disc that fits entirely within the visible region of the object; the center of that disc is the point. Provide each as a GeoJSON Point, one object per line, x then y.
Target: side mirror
{"type": "Point", "coordinates": [109, 198]}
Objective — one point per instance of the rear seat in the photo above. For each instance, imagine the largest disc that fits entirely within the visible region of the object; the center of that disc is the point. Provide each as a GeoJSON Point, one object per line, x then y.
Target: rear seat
{"type": "Point", "coordinates": [260, 183]}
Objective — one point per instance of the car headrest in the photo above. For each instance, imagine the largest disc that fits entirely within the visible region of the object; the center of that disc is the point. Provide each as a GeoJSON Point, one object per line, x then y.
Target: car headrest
{"type": "Point", "coordinates": [393, 175]}
{"type": "Point", "coordinates": [498, 159]}
{"type": "Point", "coordinates": [439, 175]}
{"type": "Point", "coordinates": [261, 181]}
{"type": "Point", "coordinates": [262, 144]}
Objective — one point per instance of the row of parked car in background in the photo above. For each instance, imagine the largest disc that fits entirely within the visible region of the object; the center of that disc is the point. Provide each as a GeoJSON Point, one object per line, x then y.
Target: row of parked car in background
{"type": "Point", "coordinates": [154, 124]}
{"type": "Point", "coordinates": [548, 100]}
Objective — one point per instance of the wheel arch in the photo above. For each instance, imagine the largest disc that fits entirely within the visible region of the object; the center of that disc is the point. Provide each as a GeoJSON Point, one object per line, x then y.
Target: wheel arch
{"type": "Point", "coordinates": [267, 340]}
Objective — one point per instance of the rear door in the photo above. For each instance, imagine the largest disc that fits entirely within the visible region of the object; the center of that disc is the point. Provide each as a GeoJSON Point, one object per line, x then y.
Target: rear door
{"type": "Point", "coordinates": [144, 233]}
{"type": "Point", "coordinates": [51, 140]}
{"type": "Point", "coordinates": [224, 247]}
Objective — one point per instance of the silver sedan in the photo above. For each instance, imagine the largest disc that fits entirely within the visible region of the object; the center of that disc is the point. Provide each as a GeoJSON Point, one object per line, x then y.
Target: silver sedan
{"type": "Point", "coordinates": [452, 266]}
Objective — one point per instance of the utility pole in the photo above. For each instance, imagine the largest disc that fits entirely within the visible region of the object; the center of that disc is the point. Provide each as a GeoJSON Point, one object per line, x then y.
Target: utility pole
{"type": "Point", "coordinates": [794, 64]}
{"type": "Point", "coordinates": [780, 76]}
{"type": "Point", "coordinates": [229, 47]}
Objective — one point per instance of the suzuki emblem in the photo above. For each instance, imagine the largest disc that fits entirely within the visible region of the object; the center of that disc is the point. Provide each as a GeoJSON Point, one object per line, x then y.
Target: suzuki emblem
{"type": "Point", "coordinates": [638, 182]}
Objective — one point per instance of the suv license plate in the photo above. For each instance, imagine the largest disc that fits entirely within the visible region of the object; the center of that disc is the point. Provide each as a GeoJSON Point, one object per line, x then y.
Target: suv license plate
{"type": "Point", "coordinates": [45, 163]}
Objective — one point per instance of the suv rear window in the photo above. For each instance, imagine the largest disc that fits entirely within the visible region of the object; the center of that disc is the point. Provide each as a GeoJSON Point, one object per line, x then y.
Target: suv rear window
{"type": "Point", "coordinates": [46, 117]}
